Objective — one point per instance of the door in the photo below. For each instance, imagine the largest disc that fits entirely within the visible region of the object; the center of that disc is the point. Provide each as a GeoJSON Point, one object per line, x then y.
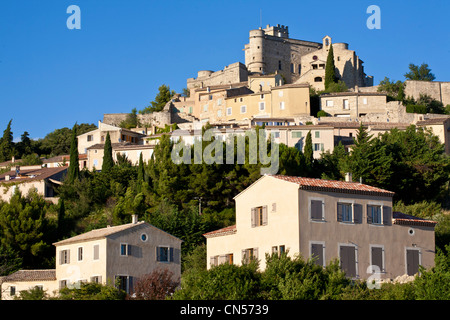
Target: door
{"type": "Point", "coordinates": [412, 261]}
{"type": "Point", "coordinates": [347, 259]}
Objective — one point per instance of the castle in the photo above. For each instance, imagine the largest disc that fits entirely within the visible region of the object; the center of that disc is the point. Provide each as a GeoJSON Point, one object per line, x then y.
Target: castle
{"type": "Point", "coordinates": [270, 51]}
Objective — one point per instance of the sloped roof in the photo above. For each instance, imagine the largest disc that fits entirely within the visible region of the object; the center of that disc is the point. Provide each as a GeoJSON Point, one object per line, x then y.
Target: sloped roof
{"type": "Point", "coordinates": [31, 275]}
{"type": "Point", "coordinates": [334, 186]}
{"type": "Point", "coordinates": [31, 174]}
{"type": "Point", "coordinates": [221, 232]}
{"type": "Point", "coordinates": [406, 219]}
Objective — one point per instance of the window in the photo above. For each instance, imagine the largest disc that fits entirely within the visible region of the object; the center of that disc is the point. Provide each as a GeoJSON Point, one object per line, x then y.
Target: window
{"type": "Point", "coordinates": [374, 214]}
{"type": "Point", "coordinates": [125, 283]}
{"type": "Point", "coordinates": [348, 260]}
{"type": "Point", "coordinates": [219, 113]}
{"type": "Point", "coordinates": [249, 255]}
{"type": "Point", "coordinates": [144, 237]}
{"type": "Point", "coordinates": [90, 137]}
{"type": "Point", "coordinates": [292, 67]}
{"type": "Point", "coordinates": [280, 93]}
{"type": "Point", "coordinates": [64, 256]}
{"type": "Point", "coordinates": [62, 284]}
{"type": "Point", "coordinates": [262, 96]}
{"type": "Point", "coordinates": [80, 253]}
{"type": "Point", "coordinates": [377, 258]}
{"type": "Point", "coordinates": [190, 109]}
{"type": "Point", "coordinates": [274, 207]}
{"type": "Point", "coordinates": [279, 64]}
{"type": "Point", "coordinates": [329, 103]}
{"type": "Point", "coordinates": [96, 252]}
{"type": "Point", "coordinates": [316, 210]}
{"type": "Point", "coordinates": [278, 250]}
{"type": "Point", "coordinates": [282, 105]}
{"type": "Point", "coordinates": [229, 110]}
{"type": "Point", "coordinates": [243, 109]}
{"type": "Point", "coordinates": [321, 66]}
{"type": "Point", "coordinates": [205, 108]}
{"type": "Point", "coordinates": [219, 102]}
{"type": "Point", "coordinates": [317, 250]}
{"type": "Point", "coordinates": [262, 106]}
{"type": "Point", "coordinates": [346, 105]}
{"type": "Point", "coordinates": [318, 147]}
{"type": "Point", "coordinates": [124, 249]}
{"type": "Point", "coordinates": [317, 134]}
{"type": "Point", "coordinates": [96, 279]}
{"type": "Point", "coordinates": [259, 216]}
{"type": "Point", "coordinates": [164, 254]}
{"type": "Point", "coordinates": [344, 212]}
{"type": "Point", "coordinates": [276, 134]}
{"type": "Point", "coordinates": [222, 259]}
{"type": "Point", "coordinates": [299, 69]}
{"type": "Point", "coordinates": [364, 100]}
{"type": "Point", "coordinates": [12, 291]}
{"type": "Point", "coordinates": [210, 97]}
{"type": "Point", "coordinates": [296, 134]}
{"type": "Point", "coordinates": [314, 66]}
{"type": "Point", "coordinates": [318, 79]}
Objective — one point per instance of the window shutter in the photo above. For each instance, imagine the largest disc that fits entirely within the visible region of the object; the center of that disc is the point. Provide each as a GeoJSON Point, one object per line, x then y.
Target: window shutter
{"type": "Point", "coordinates": [377, 258]}
{"type": "Point", "coordinates": [255, 253]}
{"type": "Point", "coordinates": [317, 253]}
{"type": "Point", "coordinates": [211, 261]}
{"type": "Point", "coordinates": [158, 254]}
{"type": "Point", "coordinates": [244, 256]}
{"type": "Point", "coordinates": [316, 210]}
{"type": "Point", "coordinates": [129, 251]}
{"type": "Point", "coordinates": [339, 212]}
{"type": "Point", "coordinates": [171, 254]}
{"type": "Point", "coordinates": [387, 215]}
{"type": "Point", "coordinates": [358, 212]}
{"type": "Point", "coordinates": [369, 214]}
{"type": "Point", "coordinates": [253, 217]}
{"type": "Point", "coordinates": [130, 284]}
{"type": "Point", "coordinates": [264, 209]}
{"type": "Point", "coordinates": [68, 256]}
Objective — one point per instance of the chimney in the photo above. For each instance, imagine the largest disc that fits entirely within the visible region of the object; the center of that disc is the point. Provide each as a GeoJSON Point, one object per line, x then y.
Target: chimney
{"type": "Point", "coordinates": [134, 219]}
{"type": "Point", "coordinates": [348, 177]}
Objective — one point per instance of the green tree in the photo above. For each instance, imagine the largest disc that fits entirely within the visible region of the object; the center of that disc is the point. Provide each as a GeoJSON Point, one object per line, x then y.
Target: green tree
{"type": "Point", "coordinates": [308, 151]}
{"type": "Point", "coordinates": [164, 95]}
{"type": "Point", "coordinates": [108, 161]}
{"type": "Point", "coordinates": [422, 72]}
{"type": "Point", "coordinates": [6, 144]}
{"type": "Point", "coordinates": [330, 69]}
{"type": "Point", "coordinates": [92, 291]}
{"type": "Point", "coordinates": [131, 121]}
{"type": "Point", "coordinates": [394, 90]}
{"type": "Point", "coordinates": [73, 173]}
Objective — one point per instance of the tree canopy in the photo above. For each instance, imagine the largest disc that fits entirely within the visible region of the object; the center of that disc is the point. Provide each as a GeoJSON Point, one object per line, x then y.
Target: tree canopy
{"type": "Point", "coordinates": [422, 72]}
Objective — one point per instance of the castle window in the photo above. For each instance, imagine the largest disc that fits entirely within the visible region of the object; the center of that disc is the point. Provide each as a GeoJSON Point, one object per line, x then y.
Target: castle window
{"type": "Point", "coordinates": [292, 68]}
{"type": "Point", "coordinates": [327, 42]}
{"type": "Point", "coordinates": [299, 68]}
{"type": "Point", "coordinates": [314, 66]}
{"type": "Point", "coordinates": [321, 66]}
{"type": "Point", "coordinates": [279, 64]}
{"type": "Point", "coordinates": [318, 79]}
{"type": "Point", "coordinates": [243, 109]}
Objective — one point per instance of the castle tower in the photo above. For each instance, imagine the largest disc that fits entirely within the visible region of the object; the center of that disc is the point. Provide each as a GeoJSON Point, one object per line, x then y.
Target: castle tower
{"type": "Point", "coordinates": [255, 54]}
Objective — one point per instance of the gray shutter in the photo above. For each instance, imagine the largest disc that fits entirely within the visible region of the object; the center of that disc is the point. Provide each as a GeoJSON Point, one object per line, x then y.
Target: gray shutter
{"type": "Point", "coordinates": [158, 254]}
{"type": "Point", "coordinates": [129, 250]}
{"type": "Point", "coordinates": [369, 214]}
{"type": "Point", "coordinates": [357, 213]}
{"type": "Point", "coordinates": [254, 217]}
{"type": "Point", "coordinates": [377, 257]}
{"type": "Point", "coordinates": [339, 212]}
{"type": "Point", "coordinates": [317, 253]}
{"type": "Point", "coordinates": [130, 284]}
{"type": "Point", "coordinates": [412, 262]}
{"type": "Point", "coordinates": [264, 212]}
{"type": "Point", "coordinates": [316, 210]}
{"type": "Point", "coordinates": [170, 254]}
{"type": "Point", "coordinates": [387, 215]}
{"type": "Point", "coordinates": [348, 260]}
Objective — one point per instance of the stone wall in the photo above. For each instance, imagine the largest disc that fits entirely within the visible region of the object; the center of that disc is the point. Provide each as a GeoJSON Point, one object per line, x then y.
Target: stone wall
{"type": "Point", "coordinates": [436, 89]}
{"type": "Point", "coordinates": [233, 73]}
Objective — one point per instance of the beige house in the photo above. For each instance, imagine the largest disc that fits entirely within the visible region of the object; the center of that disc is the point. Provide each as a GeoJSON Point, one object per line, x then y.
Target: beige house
{"type": "Point", "coordinates": [113, 254]}
{"type": "Point", "coordinates": [353, 104]}
{"type": "Point", "coordinates": [31, 178]}
{"type": "Point", "coordinates": [326, 220]}
{"type": "Point", "coordinates": [98, 136]}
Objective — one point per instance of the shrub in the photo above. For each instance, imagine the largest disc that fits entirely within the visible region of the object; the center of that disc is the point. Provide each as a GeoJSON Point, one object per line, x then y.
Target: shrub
{"type": "Point", "coordinates": [157, 285]}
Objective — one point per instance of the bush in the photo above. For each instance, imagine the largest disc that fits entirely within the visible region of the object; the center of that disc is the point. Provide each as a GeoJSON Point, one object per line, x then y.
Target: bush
{"type": "Point", "coordinates": [322, 113]}
{"type": "Point", "coordinates": [414, 108]}
{"type": "Point", "coordinates": [157, 285]}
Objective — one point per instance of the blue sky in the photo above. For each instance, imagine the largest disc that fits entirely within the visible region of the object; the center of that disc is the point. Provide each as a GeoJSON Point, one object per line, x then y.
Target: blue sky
{"type": "Point", "coordinates": [52, 77]}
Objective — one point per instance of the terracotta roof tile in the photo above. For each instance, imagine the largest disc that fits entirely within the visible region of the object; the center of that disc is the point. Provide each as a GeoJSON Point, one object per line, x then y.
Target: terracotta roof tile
{"type": "Point", "coordinates": [335, 186]}
{"type": "Point", "coordinates": [403, 218]}
{"type": "Point", "coordinates": [31, 275]}
{"type": "Point", "coordinates": [221, 232]}
{"type": "Point", "coordinates": [31, 174]}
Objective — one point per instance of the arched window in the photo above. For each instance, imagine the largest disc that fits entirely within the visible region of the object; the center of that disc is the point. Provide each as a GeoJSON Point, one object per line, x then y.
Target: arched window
{"type": "Point", "coordinates": [318, 79]}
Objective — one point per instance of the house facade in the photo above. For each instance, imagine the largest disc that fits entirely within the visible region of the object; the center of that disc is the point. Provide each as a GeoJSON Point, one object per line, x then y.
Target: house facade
{"type": "Point", "coordinates": [112, 255]}
{"type": "Point", "coordinates": [327, 220]}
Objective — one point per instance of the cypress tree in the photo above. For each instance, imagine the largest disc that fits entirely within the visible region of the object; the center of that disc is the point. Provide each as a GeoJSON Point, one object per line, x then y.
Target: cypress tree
{"type": "Point", "coordinates": [74, 169]}
{"type": "Point", "coordinates": [6, 144]}
{"type": "Point", "coordinates": [308, 150]}
{"type": "Point", "coordinates": [330, 75]}
{"type": "Point", "coordinates": [108, 161]}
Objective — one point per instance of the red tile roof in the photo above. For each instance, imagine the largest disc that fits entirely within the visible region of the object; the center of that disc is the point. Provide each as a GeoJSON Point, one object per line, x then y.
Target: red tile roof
{"type": "Point", "coordinates": [406, 219]}
{"type": "Point", "coordinates": [221, 232]}
{"type": "Point", "coordinates": [335, 186]}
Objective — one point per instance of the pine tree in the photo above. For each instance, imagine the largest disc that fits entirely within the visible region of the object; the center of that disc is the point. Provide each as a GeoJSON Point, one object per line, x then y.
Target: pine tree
{"type": "Point", "coordinates": [330, 75]}
{"type": "Point", "coordinates": [108, 161]}
{"type": "Point", "coordinates": [74, 167]}
{"type": "Point", "coordinates": [61, 228]}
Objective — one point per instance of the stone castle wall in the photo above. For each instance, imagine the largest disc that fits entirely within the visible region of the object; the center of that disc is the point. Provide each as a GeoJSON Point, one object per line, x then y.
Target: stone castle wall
{"type": "Point", "coordinates": [436, 89]}
{"type": "Point", "coordinates": [233, 73]}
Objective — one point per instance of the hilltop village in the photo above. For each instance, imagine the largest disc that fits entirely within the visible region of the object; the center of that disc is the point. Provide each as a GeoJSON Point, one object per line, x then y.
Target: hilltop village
{"type": "Point", "coordinates": [286, 88]}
